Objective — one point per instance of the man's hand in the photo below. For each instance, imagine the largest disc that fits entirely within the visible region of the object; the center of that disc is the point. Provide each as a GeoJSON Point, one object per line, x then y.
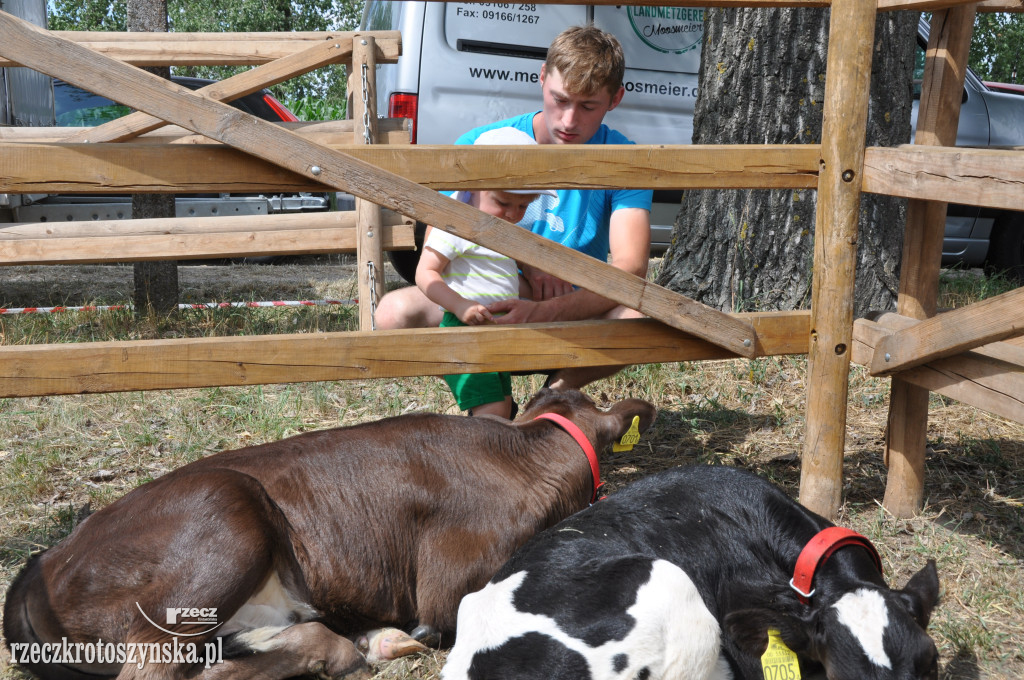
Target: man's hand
{"type": "Point", "coordinates": [517, 311]}
{"type": "Point", "coordinates": [543, 285]}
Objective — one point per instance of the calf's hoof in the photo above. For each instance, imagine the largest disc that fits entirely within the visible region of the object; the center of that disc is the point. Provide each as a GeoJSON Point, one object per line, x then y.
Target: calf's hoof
{"type": "Point", "coordinates": [428, 635]}
{"type": "Point", "coordinates": [386, 644]}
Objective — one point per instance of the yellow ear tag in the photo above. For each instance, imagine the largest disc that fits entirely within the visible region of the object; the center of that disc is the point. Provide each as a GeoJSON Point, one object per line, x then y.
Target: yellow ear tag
{"type": "Point", "coordinates": [779, 662]}
{"type": "Point", "coordinates": [629, 439]}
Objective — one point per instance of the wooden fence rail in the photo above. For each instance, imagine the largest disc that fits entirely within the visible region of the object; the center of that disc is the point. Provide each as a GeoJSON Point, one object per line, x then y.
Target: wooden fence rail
{"type": "Point", "coordinates": [205, 362]}
{"type": "Point", "coordinates": [185, 238]}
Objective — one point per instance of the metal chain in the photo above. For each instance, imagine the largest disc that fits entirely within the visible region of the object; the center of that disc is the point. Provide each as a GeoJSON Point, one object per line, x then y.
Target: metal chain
{"type": "Point", "coordinates": [373, 294]}
{"type": "Point", "coordinates": [368, 139]}
{"type": "Point", "coordinates": [366, 109]}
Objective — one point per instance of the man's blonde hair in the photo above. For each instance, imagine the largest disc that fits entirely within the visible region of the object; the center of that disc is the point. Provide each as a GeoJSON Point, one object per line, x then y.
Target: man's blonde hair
{"type": "Point", "coordinates": [588, 60]}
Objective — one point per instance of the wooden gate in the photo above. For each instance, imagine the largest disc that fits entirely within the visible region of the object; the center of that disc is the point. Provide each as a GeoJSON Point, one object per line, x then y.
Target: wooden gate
{"type": "Point", "coordinates": [237, 152]}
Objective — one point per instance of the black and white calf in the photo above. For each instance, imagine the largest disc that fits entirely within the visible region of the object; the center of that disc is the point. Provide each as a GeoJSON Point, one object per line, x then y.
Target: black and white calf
{"type": "Point", "coordinates": [620, 616]}
{"type": "Point", "coordinates": [681, 575]}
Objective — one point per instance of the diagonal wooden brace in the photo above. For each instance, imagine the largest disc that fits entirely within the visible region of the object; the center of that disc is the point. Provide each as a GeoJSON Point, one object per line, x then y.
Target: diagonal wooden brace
{"type": "Point", "coordinates": [227, 90]}
{"type": "Point", "coordinates": [38, 49]}
{"type": "Point", "coordinates": [949, 333]}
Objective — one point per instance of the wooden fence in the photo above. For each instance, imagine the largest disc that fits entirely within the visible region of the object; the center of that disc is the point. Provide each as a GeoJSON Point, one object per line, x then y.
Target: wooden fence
{"type": "Point", "coordinates": [969, 353]}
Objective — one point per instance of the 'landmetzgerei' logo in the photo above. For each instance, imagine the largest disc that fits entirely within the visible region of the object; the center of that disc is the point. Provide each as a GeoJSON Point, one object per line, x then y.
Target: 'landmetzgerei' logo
{"type": "Point", "coordinates": [672, 30]}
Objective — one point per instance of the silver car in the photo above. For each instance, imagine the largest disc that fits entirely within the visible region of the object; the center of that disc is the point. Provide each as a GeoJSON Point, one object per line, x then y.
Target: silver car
{"type": "Point", "coordinates": [988, 117]}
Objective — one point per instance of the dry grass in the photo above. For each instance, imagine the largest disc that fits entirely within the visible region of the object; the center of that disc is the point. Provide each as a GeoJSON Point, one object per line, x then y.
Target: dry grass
{"type": "Point", "coordinates": [60, 454]}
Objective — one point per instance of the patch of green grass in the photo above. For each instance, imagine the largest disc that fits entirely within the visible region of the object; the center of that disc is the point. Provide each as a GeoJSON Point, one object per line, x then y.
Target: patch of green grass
{"type": "Point", "coordinates": [115, 325]}
{"type": "Point", "coordinates": [976, 637]}
{"type": "Point", "coordinates": [958, 288]}
{"type": "Point", "coordinates": [987, 452]}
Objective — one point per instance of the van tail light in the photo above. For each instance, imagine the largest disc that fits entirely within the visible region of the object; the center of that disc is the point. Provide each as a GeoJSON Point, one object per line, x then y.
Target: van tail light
{"type": "Point", "coordinates": [401, 105]}
{"type": "Point", "coordinates": [283, 113]}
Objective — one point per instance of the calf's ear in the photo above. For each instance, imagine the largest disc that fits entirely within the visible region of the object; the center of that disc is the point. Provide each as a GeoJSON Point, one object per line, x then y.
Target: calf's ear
{"type": "Point", "coordinates": [618, 419]}
{"type": "Point", "coordinates": [748, 628]}
{"type": "Point", "coordinates": [921, 593]}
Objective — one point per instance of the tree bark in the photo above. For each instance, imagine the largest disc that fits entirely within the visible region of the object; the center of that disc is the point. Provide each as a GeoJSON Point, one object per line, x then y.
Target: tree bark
{"type": "Point", "coordinates": [156, 283]}
{"type": "Point", "coordinates": [762, 81]}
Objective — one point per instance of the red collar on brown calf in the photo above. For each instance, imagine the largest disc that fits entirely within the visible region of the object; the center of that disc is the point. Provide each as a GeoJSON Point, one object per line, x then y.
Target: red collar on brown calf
{"type": "Point", "coordinates": [581, 439]}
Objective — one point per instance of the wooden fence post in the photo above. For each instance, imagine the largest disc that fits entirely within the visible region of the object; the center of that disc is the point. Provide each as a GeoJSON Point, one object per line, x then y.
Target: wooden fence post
{"type": "Point", "coordinates": [937, 118]}
{"type": "Point", "coordinates": [369, 249]}
{"type": "Point", "coordinates": [847, 87]}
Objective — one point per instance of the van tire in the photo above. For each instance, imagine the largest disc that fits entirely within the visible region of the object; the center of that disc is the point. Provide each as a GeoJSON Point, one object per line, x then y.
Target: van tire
{"type": "Point", "coordinates": [1006, 246]}
{"type": "Point", "coordinates": [405, 261]}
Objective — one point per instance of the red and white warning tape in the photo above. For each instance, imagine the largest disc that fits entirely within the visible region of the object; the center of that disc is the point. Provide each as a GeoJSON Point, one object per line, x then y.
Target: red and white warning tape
{"type": "Point", "coordinates": [201, 305]}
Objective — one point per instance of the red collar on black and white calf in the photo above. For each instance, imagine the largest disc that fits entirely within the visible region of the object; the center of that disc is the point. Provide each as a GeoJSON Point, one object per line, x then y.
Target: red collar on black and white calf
{"type": "Point", "coordinates": [819, 549]}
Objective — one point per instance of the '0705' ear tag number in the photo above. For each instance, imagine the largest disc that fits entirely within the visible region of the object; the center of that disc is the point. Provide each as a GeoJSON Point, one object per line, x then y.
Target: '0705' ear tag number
{"type": "Point", "coordinates": [779, 662]}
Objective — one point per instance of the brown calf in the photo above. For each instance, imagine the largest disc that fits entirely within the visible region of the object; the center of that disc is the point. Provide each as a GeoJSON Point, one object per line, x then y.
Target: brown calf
{"type": "Point", "coordinates": [279, 548]}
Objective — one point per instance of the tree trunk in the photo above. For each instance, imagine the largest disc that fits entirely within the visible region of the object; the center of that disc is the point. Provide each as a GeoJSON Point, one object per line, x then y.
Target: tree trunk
{"type": "Point", "coordinates": [762, 81]}
{"type": "Point", "coordinates": [156, 283]}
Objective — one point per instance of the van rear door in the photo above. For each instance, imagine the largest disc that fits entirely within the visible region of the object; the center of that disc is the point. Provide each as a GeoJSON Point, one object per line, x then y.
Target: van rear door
{"type": "Point", "coordinates": [481, 63]}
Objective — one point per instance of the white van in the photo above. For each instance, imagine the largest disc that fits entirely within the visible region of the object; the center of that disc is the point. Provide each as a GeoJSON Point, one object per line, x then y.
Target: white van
{"type": "Point", "coordinates": [465, 65]}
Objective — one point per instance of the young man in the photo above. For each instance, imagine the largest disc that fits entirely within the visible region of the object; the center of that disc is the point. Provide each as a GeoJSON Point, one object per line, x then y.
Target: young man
{"type": "Point", "coordinates": [581, 81]}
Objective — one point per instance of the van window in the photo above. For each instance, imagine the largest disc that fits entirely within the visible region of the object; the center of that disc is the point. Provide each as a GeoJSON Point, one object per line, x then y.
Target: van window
{"type": "Point", "coordinates": [656, 38]}
{"type": "Point", "coordinates": [512, 29]}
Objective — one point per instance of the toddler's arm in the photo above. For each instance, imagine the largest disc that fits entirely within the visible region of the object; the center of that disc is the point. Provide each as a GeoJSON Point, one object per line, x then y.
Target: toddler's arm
{"type": "Point", "coordinates": [429, 280]}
